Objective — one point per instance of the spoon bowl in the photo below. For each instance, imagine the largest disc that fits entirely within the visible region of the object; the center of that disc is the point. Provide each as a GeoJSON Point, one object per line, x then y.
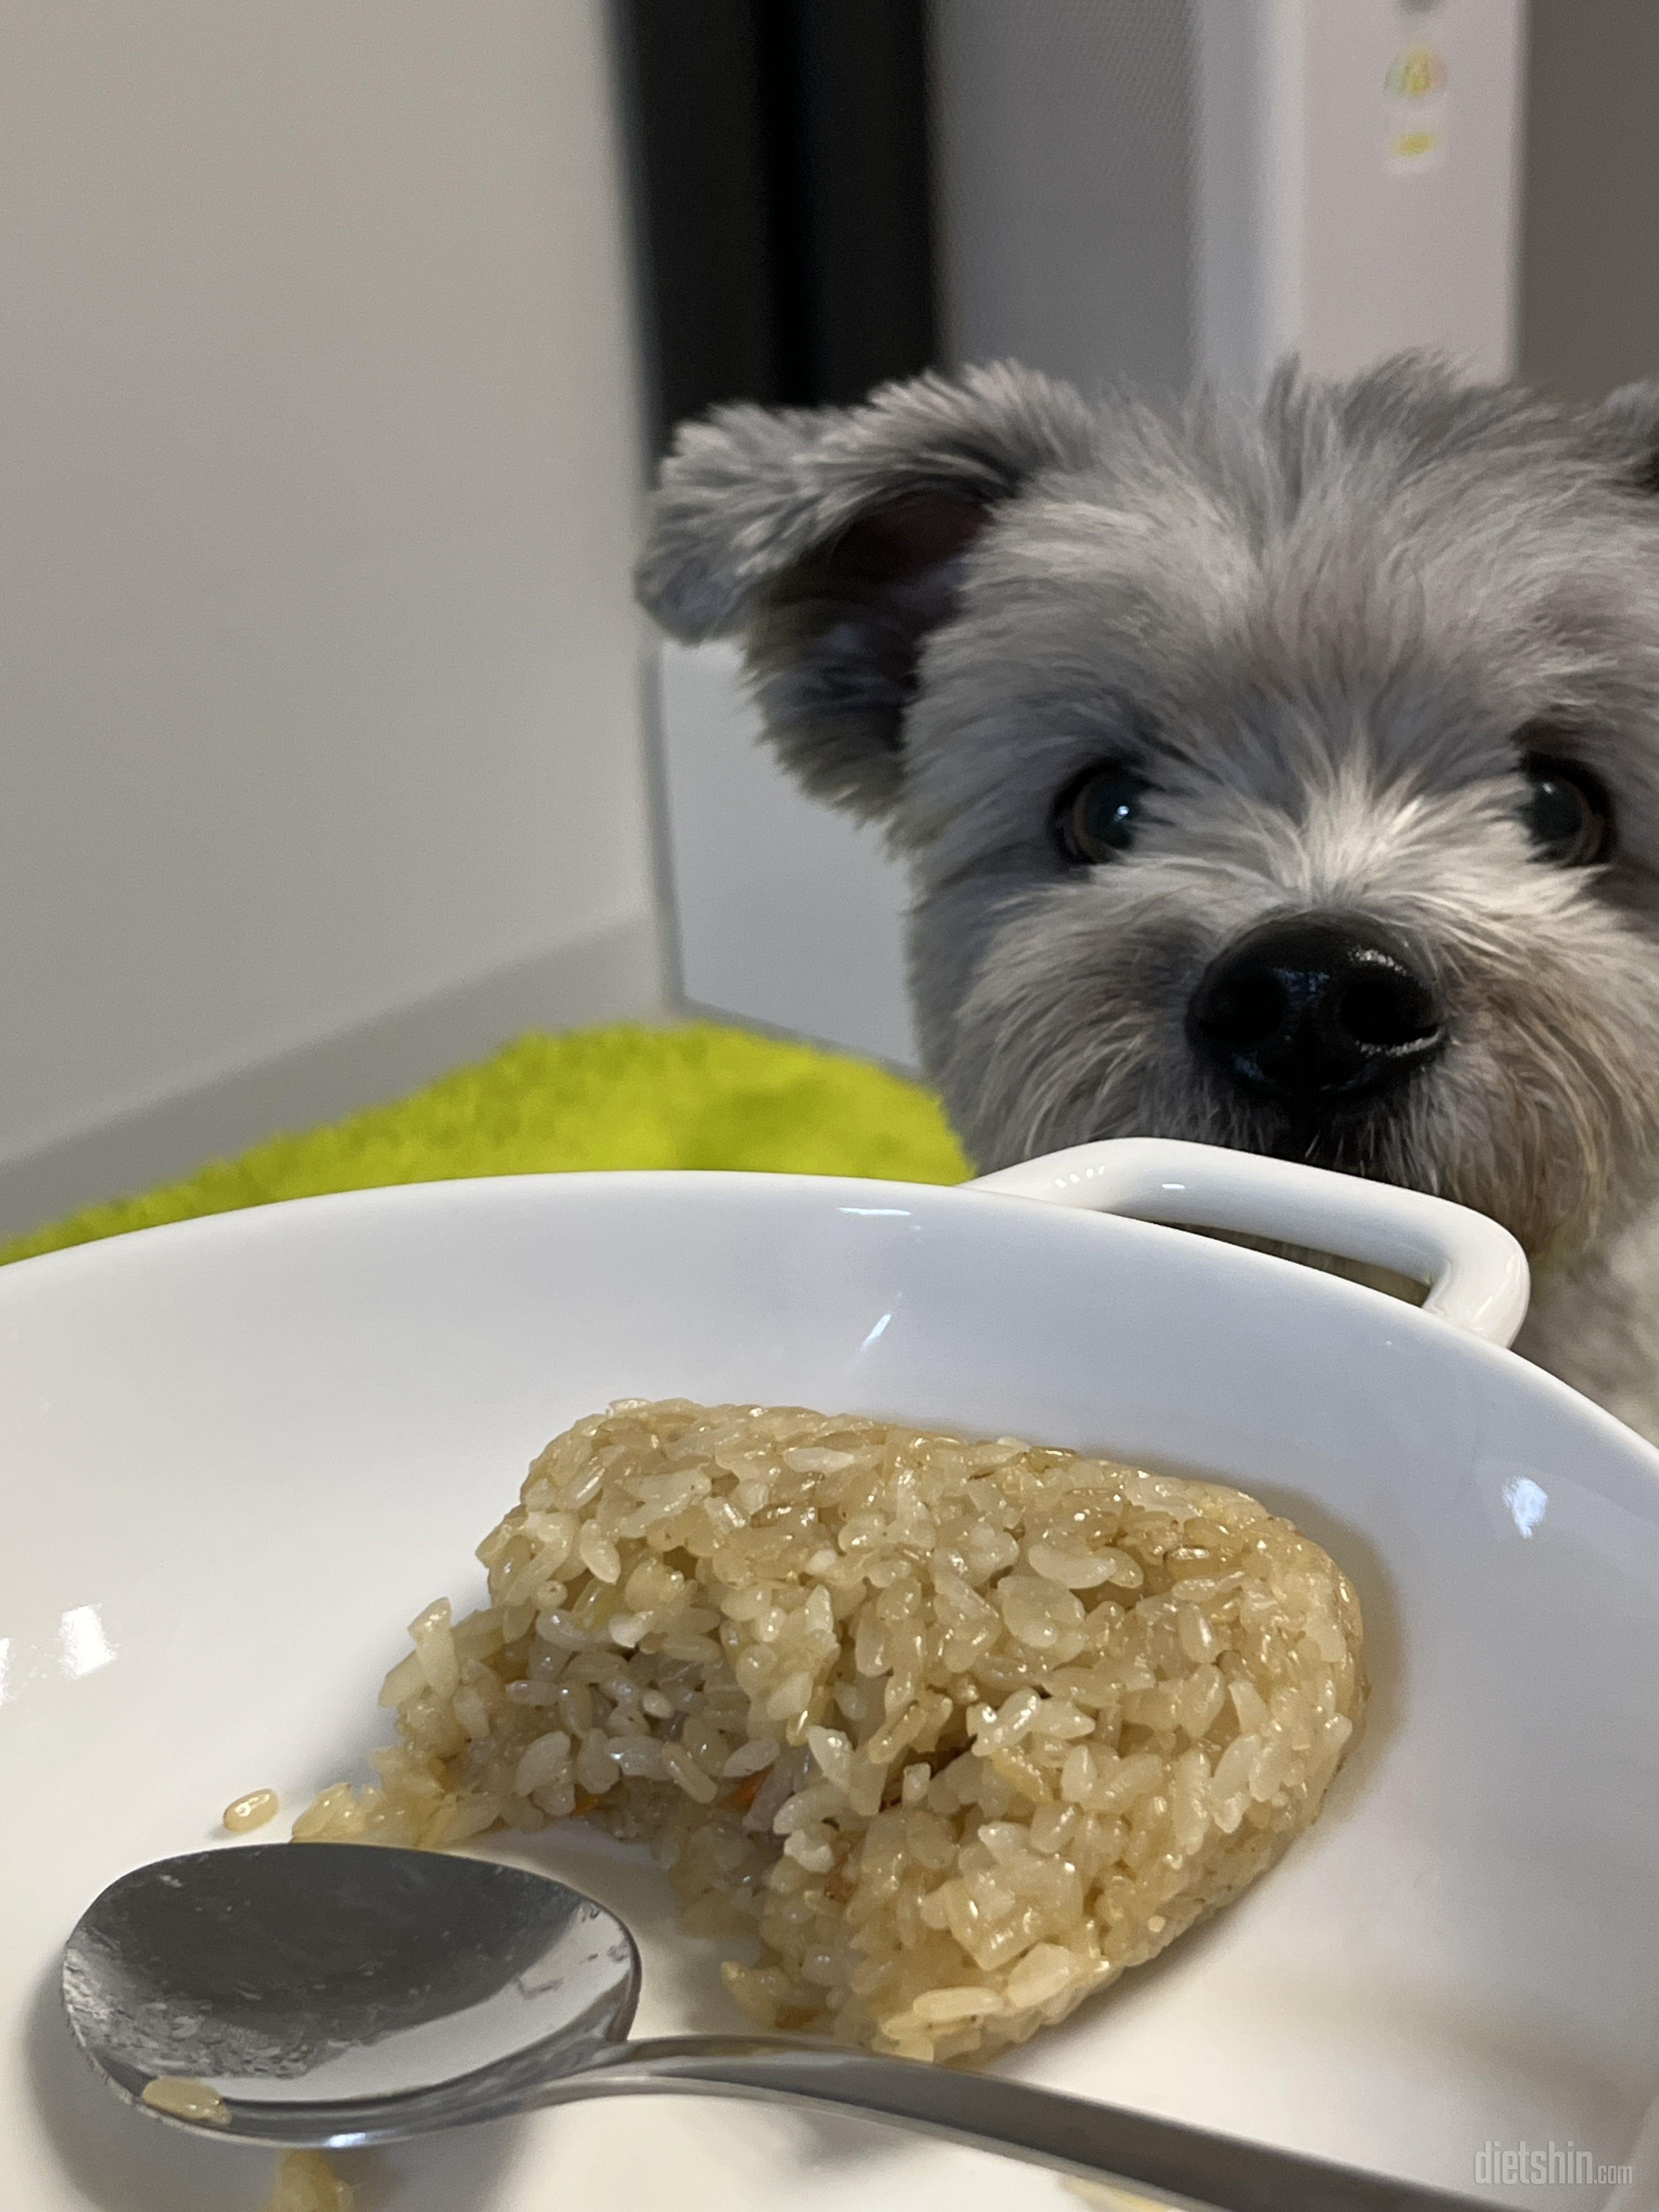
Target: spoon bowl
{"type": "Point", "coordinates": [287, 1977]}
{"type": "Point", "coordinates": [331, 1996]}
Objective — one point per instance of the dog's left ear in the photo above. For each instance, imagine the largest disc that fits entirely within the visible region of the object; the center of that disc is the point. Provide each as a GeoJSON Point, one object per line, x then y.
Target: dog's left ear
{"type": "Point", "coordinates": [832, 543]}
{"type": "Point", "coordinates": [1629, 421]}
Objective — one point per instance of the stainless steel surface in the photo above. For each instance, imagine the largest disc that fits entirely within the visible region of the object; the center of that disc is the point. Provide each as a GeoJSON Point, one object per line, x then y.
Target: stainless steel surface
{"type": "Point", "coordinates": [334, 1995]}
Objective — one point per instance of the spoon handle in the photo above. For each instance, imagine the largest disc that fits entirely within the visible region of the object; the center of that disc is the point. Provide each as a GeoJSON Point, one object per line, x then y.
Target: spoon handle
{"type": "Point", "coordinates": [1183, 2166]}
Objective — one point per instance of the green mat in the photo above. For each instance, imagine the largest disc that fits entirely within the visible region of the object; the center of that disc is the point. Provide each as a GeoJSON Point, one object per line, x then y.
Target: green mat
{"type": "Point", "coordinates": [624, 1096]}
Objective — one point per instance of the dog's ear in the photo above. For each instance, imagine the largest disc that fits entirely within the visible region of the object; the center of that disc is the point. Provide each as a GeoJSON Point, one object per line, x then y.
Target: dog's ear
{"type": "Point", "coordinates": [1629, 421]}
{"type": "Point", "coordinates": [832, 541]}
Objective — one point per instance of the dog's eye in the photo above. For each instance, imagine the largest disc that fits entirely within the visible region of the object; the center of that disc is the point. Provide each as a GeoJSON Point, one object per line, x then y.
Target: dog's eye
{"type": "Point", "coordinates": [1096, 818]}
{"type": "Point", "coordinates": [1568, 813]}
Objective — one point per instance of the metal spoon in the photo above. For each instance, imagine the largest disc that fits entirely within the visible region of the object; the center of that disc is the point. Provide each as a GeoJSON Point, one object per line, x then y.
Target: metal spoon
{"type": "Point", "coordinates": [327, 1995]}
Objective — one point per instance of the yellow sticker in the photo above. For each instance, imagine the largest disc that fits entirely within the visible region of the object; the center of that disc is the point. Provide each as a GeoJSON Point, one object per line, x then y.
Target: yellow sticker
{"type": "Point", "coordinates": [1414, 90]}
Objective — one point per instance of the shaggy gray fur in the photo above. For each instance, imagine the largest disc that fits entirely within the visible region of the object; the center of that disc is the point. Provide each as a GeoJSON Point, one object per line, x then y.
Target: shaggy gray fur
{"type": "Point", "coordinates": [1324, 630]}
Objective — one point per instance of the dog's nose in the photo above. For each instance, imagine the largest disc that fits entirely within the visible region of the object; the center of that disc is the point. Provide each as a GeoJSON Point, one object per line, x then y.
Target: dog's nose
{"type": "Point", "coordinates": [1315, 1010]}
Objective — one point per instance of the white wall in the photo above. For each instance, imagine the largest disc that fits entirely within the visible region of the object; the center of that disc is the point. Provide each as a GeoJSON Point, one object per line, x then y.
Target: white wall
{"type": "Point", "coordinates": [789, 914]}
{"type": "Point", "coordinates": [319, 683]}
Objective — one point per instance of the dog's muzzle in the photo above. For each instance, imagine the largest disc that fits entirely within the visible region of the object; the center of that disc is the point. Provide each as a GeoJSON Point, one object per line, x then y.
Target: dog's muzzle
{"type": "Point", "coordinates": [1315, 1013]}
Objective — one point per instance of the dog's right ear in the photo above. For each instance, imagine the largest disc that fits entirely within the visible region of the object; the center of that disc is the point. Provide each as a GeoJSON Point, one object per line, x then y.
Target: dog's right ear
{"type": "Point", "coordinates": [832, 542]}
{"type": "Point", "coordinates": [1628, 420]}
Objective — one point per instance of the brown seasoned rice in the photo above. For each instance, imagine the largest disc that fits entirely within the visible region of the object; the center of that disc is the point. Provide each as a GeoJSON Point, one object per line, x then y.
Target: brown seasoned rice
{"type": "Point", "coordinates": [954, 1731]}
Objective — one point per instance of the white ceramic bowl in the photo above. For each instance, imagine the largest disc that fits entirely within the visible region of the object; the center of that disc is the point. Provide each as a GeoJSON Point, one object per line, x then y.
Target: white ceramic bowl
{"type": "Point", "coordinates": [238, 1454]}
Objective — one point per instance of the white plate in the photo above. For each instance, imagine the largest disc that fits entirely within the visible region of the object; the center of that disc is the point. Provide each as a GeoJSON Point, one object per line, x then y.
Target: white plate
{"type": "Point", "coordinates": [237, 1455]}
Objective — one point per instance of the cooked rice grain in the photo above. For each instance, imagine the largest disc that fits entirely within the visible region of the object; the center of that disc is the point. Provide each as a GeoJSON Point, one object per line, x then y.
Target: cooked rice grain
{"type": "Point", "coordinates": [245, 1814]}
{"type": "Point", "coordinates": [957, 1731]}
{"type": "Point", "coordinates": [305, 2182]}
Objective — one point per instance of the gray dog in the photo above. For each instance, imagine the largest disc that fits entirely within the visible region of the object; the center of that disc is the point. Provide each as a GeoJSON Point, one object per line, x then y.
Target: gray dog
{"type": "Point", "coordinates": [1283, 778]}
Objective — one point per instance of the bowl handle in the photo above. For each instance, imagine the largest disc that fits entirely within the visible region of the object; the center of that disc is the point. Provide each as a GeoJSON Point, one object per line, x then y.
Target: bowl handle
{"type": "Point", "coordinates": [1476, 1272]}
